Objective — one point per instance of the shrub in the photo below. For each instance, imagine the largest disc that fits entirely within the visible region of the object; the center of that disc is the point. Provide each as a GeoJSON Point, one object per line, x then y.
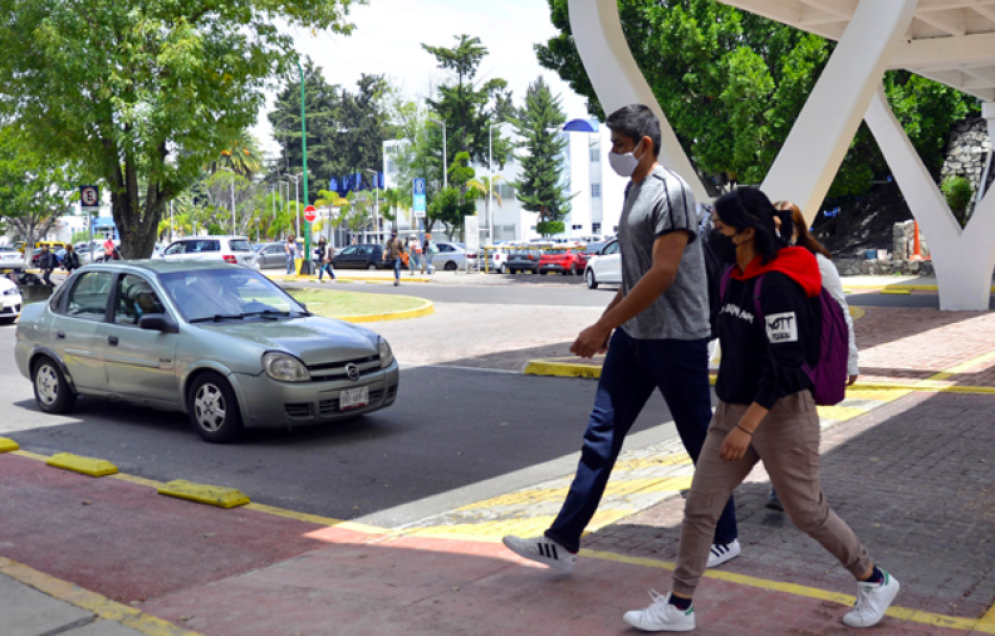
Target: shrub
{"type": "Point", "coordinates": [958, 192]}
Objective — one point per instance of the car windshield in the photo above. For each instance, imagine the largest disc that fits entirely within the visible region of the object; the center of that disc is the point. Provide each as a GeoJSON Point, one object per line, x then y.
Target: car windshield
{"type": "Point", "coordinates": [216, 295]}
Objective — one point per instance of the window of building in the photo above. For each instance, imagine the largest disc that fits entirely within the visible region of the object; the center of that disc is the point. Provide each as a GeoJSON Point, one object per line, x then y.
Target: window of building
{"type": "Point", "coordinates": [595, 190]}
{"type": "Point", "coordinates": [578, 227]}
{"type": "Point", "coordinates": [595, 153]}
{"type": "Point", "coordinates": [595, 228]}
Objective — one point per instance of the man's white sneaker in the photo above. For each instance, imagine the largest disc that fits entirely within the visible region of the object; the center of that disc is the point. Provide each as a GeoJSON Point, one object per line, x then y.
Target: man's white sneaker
{"type": "Point", "coordinates": [722, 552]}
{"type": "Point", "coordinates": [543, 550]}
{"type": "Point", "coordinates": [661, 616]}
{"type": "Point", "coordinates": [873, 600]}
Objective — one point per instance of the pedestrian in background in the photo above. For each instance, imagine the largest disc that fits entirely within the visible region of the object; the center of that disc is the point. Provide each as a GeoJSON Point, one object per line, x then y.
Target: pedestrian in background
{"type": "Point", "coordinates": [655, 332]}
{"type": "Point", "coordinates": [766, 412]}
{"type": "Point", "coordinates": [325, 255]}
{"type": "Point", "coordinates": [429, 250]}
{"type": "Point", "coordinates": [290, 249]}
{"type": "Point", "coordinates": [393, 251]}
{"type": "Point", "coordinates": [70, 260]}
{"type": "Point", "coordinates": [47, 263]}
{"type": "Point", "coordinates": [414, 253]}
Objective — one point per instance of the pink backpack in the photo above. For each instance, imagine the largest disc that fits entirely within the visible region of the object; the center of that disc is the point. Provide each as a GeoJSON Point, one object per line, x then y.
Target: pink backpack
{"type": "Point", "coordinates": [829, 375]}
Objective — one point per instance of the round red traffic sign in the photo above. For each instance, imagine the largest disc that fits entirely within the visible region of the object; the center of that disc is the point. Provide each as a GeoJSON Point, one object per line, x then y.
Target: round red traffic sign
{"type": "Point", "coordinates": [310, 214]}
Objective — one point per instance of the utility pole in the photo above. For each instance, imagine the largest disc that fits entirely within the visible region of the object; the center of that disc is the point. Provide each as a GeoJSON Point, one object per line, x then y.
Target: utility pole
{"type": "Point", "coordinates": [306, 267]}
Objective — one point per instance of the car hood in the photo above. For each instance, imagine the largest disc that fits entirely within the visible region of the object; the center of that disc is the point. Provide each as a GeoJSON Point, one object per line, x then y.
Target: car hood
{"type": "Point", "coordinates": [315, 340]}
{"type": "Point", "coordinates": [6, 284]}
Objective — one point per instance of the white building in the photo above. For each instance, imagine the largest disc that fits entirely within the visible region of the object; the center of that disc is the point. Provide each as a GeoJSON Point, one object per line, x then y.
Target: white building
{"type": "Point", "coordinates": [598, 193]}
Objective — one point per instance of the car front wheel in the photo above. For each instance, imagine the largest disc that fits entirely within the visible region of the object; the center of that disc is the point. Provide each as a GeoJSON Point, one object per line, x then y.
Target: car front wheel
{"type": "Point", "coordinates": [450, 266]}
{"type": "Point", "coordinates": [592, 282]}
{"type": "Point", "coordinates": [52, 392]}
{"type": "Point", "coordinates": [371, 266]}
{"type": "Point", "coordinates": [213, 409]}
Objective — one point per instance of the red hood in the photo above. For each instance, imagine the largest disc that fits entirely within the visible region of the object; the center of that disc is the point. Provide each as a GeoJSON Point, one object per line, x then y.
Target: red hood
{"type": "Point", "coordinates": [797, 263]}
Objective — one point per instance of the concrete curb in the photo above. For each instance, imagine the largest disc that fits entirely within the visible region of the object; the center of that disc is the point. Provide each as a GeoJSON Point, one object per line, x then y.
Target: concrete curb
{"type": "Point", "coordinates": [427, 309]}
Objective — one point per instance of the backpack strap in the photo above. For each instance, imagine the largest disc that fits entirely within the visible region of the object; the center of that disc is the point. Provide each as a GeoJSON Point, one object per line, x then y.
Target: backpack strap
{"type": "Point", "coordinates": [758, 308]}
{"type": "Point", "coordinates": [724, 282]}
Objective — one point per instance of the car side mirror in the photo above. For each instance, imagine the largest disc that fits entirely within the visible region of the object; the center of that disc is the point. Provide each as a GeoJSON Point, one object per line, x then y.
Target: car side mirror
{"type": "Point", "coordinates": [158, 322]}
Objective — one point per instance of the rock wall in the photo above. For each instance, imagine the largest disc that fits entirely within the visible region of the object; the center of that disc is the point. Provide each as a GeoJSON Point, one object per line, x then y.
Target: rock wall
{"type": "Point", "coordinates": [967, 151]}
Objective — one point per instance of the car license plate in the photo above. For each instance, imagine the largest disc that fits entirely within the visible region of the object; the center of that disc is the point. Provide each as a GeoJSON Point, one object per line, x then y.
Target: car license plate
{"type": "Point", "coordinates": [354, 398]}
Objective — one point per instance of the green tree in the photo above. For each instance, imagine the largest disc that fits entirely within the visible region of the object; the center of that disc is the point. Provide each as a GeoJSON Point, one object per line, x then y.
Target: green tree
{"type": "Point", "coordinates": [345, 130]}
{"type": "Point", "coordinates": [540, 189]}
{"type": "Point", "coordinates": [145, 92]}
{"type": "Point", "coordinates": [241, 154]}
{"type": "Point", "coordinates": [733, 83]}
{"type": "Point", "coordinates": [35, 189]}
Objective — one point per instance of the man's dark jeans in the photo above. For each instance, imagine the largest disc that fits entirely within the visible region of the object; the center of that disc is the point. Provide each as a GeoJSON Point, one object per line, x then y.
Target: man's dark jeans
{"type": "Point", "coordinates": [632, 369]}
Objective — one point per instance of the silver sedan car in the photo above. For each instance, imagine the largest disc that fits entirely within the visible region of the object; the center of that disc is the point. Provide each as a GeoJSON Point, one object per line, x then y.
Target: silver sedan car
{"type": "Point", "coordinates": [220, 342]}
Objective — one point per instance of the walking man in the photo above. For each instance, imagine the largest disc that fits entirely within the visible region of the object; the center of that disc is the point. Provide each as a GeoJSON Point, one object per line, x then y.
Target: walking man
{"type": "Point", "coordinates": [70, 262]}
{"type": "Point", "coordinates": [47, 263]}
{"type": "Point", "coordinates": [661, 328]}
{"type": "Point", "coordinates": [429, 250]}
{"type": "Point", "coordinates": [414, 252]}
{"type": "Point", "coordinates": [325, 254]}
{"type": "Point", "coordinates": [291, 251]}
{"type": "Point", "coordinates": [393, 252]}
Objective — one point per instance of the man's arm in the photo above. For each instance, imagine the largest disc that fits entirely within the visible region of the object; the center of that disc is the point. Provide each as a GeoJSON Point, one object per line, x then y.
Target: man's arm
{"type": "Point", "coordinates": [667, 252]}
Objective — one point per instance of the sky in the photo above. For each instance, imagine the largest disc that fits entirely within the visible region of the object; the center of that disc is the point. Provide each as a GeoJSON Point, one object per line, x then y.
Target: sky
{"type": "Point", "coordinates": [388, 38]}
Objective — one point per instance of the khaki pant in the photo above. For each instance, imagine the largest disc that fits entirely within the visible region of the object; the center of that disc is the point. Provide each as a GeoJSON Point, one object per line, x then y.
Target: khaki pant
{"type": "Point", "coordinates": [787, 442]}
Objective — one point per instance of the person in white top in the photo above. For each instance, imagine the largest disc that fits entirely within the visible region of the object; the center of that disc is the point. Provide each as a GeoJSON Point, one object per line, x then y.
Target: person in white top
{"type": "Point", "coordinates": [832, 284]}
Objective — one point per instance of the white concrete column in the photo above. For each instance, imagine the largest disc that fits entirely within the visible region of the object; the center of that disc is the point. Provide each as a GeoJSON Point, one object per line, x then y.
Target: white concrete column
{"type": "Point", "coordinates": [597, 31]}
{"type": "Point", "coordinates": [818, 142]}
{"type": "Point", "coordinates": [964, 259]}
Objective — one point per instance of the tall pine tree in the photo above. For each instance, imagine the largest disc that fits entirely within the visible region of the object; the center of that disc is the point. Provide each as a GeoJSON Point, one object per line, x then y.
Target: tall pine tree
{"type": "Point", "coordinates": [540, 188]}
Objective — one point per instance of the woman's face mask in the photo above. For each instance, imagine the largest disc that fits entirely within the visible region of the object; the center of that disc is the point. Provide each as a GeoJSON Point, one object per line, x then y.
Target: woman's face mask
{"type": "Point", "coordinates": [625, 164]}
{"type": "Point", "coordinates": [722, 246]}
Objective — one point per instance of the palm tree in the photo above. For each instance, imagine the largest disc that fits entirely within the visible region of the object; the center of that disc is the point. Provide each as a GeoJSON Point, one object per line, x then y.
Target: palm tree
{"type": "Point", "coordinates": [240, 154]}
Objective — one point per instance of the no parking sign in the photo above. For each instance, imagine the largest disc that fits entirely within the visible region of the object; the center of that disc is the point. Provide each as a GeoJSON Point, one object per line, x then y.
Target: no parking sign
{"type": "Point", "coordinates": [89, 198]}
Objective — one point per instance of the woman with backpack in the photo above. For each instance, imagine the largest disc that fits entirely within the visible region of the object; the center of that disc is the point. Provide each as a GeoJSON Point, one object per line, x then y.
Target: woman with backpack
{"type": "Point", "coordinates": [770, 335]}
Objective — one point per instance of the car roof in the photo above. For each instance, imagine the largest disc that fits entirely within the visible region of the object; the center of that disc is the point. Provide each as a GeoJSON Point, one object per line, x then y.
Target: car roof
{"type": "Point", "coordinates": [211, 237]}
{"type": "Point", "coordinates": [161, 266]}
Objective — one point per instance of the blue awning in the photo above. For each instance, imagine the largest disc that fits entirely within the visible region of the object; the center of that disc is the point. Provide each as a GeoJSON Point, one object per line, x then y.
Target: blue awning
{"type": "Point", "coordinates": [581, 125]}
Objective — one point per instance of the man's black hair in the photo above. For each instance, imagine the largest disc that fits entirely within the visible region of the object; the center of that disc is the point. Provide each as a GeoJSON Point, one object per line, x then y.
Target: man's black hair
{"type": "Point", "coordinates": [636, 121]}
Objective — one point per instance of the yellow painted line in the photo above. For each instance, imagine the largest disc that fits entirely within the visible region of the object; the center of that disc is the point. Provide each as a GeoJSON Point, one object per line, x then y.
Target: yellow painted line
{"type": "Point", "coordinates": [562, 369]}
{"type": "Point", "coordinates": [8, 445]}
{"type": "Point", "coordinates": [895, 290]}
{"type": "Point", "coordinates": [427, 309]}
{"type": "Point", "coordinates": [676, 459]}
{"type": "Point", "coordinates": [965, 366]}
{"type": "Point", "coordinates": [202, 493]}
{"type": "Point", "coordinates": [83, 465]}
{"type": "Point", "coordinates": [91, 601]}
{"type": "Point", "coordinates": [492, 531]}
{"type": "Point", "coordinates": [901, 613]}
{"type": "Point", "coordinates": [315, 519]}
{"type": "Point", "coordinates": [839, 413]}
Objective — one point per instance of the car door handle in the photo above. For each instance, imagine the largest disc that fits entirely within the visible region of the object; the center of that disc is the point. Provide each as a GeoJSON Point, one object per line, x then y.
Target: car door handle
{"type": "Point", "coordinates": [60, 334]}
{"type": "Point", "coordinates": [112, 340]}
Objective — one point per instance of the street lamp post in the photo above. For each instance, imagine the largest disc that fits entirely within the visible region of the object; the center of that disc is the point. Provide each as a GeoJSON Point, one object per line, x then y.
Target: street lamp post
{"type": "Point", "coordinates": [297, 203]}
{"type": "Point", "coordinates": [490, 183]}
{"type": "Point", "coordinates": [306, 264]}
{"type": "Point", "coordinates": [376, 208]}
{"type": "Point", "coordinates": [445, 155]}
{"type": "Point", "coordinates": [232, 171]}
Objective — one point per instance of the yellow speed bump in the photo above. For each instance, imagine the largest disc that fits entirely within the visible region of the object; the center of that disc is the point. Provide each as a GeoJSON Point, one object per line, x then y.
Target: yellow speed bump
{"type": "Point", "coordinates": [83, 465]}
{"type": "Point", "coordinates": [896, 290]}
{"type": "Point", "coordinates": [202, 493]}
{"type": "Point", "coordinates": [8, 445]}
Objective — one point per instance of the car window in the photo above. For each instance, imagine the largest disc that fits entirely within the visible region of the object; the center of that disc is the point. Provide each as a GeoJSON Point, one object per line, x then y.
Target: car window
{"type": "Point", "coordinates": [176, 248]}
{"type": "Point", "coordinates": [274, 249]}
{"type": "Point", "coordinates": [88, 299]}
{"type": "Point", "coordinates": [240, 245]}
{"type": "Point", "coordinates": [349, 250]}
{"type": "Point", "coordinates": [612, 249]}
{"type": "Point", "coordinates": [135, 298]}
{"type": "Point", "coordinates": [364, 250]}
{"type": "Point", "coordinates": [445, 247]}
{"type": "Point", "coordinates": [220, 294]}
{"type": "Point", "coordinates": [203, 245]}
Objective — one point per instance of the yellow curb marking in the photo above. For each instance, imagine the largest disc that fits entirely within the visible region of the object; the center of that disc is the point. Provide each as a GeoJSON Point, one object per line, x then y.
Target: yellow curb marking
{"type": "Point", "coordinates": [83, 465]}
{"type": "Point", "coordinates": [317, 520]}
{"type": "Point", "coordinates": [202, 493]}
{"type": "Point", "coordinates": [425, 310]}
{"type": "Point", "coordinates": [896, 290]}
{"type": "Point", "coordinates": [562, 369]}
{"type": "Point", "coordinates": [901, 613]}
{"type": "Point", "coordinates": [8, 445]}
{"type": "Point", "coordinates": [676, 459]}
{"type": "Point", "coordinates": [839, 413]}
{"type": "Point", "coordinates": [961, 368]}
{"type": "Point", "coordinates": [91, 601]}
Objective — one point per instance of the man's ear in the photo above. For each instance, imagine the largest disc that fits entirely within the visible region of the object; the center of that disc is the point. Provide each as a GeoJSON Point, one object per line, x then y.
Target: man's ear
{"type": "Point", "coordinates": [648, 149]}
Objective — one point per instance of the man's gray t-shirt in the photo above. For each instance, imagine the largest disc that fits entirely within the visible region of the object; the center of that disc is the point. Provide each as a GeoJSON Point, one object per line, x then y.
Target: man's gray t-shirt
{"type": "Point", "coordinates": [660, 204]}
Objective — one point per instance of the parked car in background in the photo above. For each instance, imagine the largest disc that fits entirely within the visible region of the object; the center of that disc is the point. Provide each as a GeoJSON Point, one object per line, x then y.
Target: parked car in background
{"type": "Point", "coordinates": [362, 256]}
{"type": "Point", "coordinates": [10, 259]}
{"type": "Point", "coordinates": [496, 259]}
{"type": "Point", "coordinates": [451, 256]}
{"type": "Point", "coordinates": [270, 255]}
{"type": "Point", "coordinates": [223, 344]}
{"type": "Point", "coordinates": [10, 301]}
{"type": "Point", "coordinates": [525, 259]}
{"type": "Point", "coordinates": [567, 260]}
{"type": "Point", "coordinates": [234, 250]}
{"type": "Point", "coordinates": [605, 267]}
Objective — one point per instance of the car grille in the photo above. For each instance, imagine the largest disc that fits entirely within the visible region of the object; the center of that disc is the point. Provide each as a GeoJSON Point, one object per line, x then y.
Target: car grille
{"type": "Point", "coordinates": [16, 309]}
{"type": "Point", "coordinates": [327, 407]}
{"type": "Point", "coordinates": [336, 370]}
{"type": "Point", "coordinates": [302, 409]}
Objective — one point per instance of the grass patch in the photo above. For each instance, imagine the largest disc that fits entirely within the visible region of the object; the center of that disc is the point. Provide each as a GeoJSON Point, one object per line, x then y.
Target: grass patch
{"type": "Point", "coordinates": [343, 304]}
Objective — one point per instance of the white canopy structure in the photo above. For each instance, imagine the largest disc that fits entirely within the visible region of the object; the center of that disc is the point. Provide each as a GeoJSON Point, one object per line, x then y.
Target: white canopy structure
{"type": "Point", "coordinates": [950, 41]}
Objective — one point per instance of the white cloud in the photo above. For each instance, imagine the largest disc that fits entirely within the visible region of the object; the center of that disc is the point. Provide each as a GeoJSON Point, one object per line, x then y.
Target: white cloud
{"type": "Point", "coordinates": [389, 34]}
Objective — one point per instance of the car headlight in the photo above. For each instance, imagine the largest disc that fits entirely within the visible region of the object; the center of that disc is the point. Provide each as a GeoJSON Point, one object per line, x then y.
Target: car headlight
{"type": "Point", "coordinates": [284, 367]}
{"type": "Point", "coordinates": [13, 291]}
{"type": "Point", "coordinates": [386, 355]}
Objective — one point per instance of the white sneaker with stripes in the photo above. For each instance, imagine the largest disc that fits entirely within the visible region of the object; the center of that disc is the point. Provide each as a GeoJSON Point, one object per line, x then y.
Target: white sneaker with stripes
{"type": "Point", "coordinates": [722, 552]}
{"type": "Point", "coordinates": [542, 550]}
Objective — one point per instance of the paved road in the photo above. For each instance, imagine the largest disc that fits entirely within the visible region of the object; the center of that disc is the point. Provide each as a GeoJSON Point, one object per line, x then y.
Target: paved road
{"type": "Point", "coordinates": [477, 433]}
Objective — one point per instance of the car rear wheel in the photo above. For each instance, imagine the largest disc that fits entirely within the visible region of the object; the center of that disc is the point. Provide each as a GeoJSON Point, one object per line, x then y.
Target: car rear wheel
{"type": "Point", "coordinates": [451, 266]}
{"type": "Point", "coordinates": [52, 391]}
{"type": "Point", "coordinates": [371, 266]}
{"type": "Point", "coordinates": [213, 409]}
{"type": "Point", "coordinates": [573, 270]}
{"type": "Point", "coordinates": [504, 269]}
{"type": "Point", "coordinates": [543, 272]}
{"type": "Point", "coordinates": [592, 282]}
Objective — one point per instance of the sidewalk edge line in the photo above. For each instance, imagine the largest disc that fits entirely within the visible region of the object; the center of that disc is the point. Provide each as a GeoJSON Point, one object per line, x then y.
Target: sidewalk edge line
{"type": "Point", "coordinates": [426, 309]}
{"type": "Point", "coordinates": [981, 625]}
{"type": "Point", "coordinates": [91, 601]}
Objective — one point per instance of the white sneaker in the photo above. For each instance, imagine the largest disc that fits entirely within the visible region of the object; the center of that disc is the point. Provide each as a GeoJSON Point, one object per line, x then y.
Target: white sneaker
{"type": "Point", "coordinates": [873, 600]}
{"type": "Point", "coordinates": [661, 616]}
{"type": "Point", "coordinates": [542, 550]}
{"type": "Point", "coordinates": [722, 552]}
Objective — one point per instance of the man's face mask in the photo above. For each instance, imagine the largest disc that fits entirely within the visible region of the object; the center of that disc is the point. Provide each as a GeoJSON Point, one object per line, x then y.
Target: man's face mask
{"type": "Point", "coordinates": [624, 164]}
